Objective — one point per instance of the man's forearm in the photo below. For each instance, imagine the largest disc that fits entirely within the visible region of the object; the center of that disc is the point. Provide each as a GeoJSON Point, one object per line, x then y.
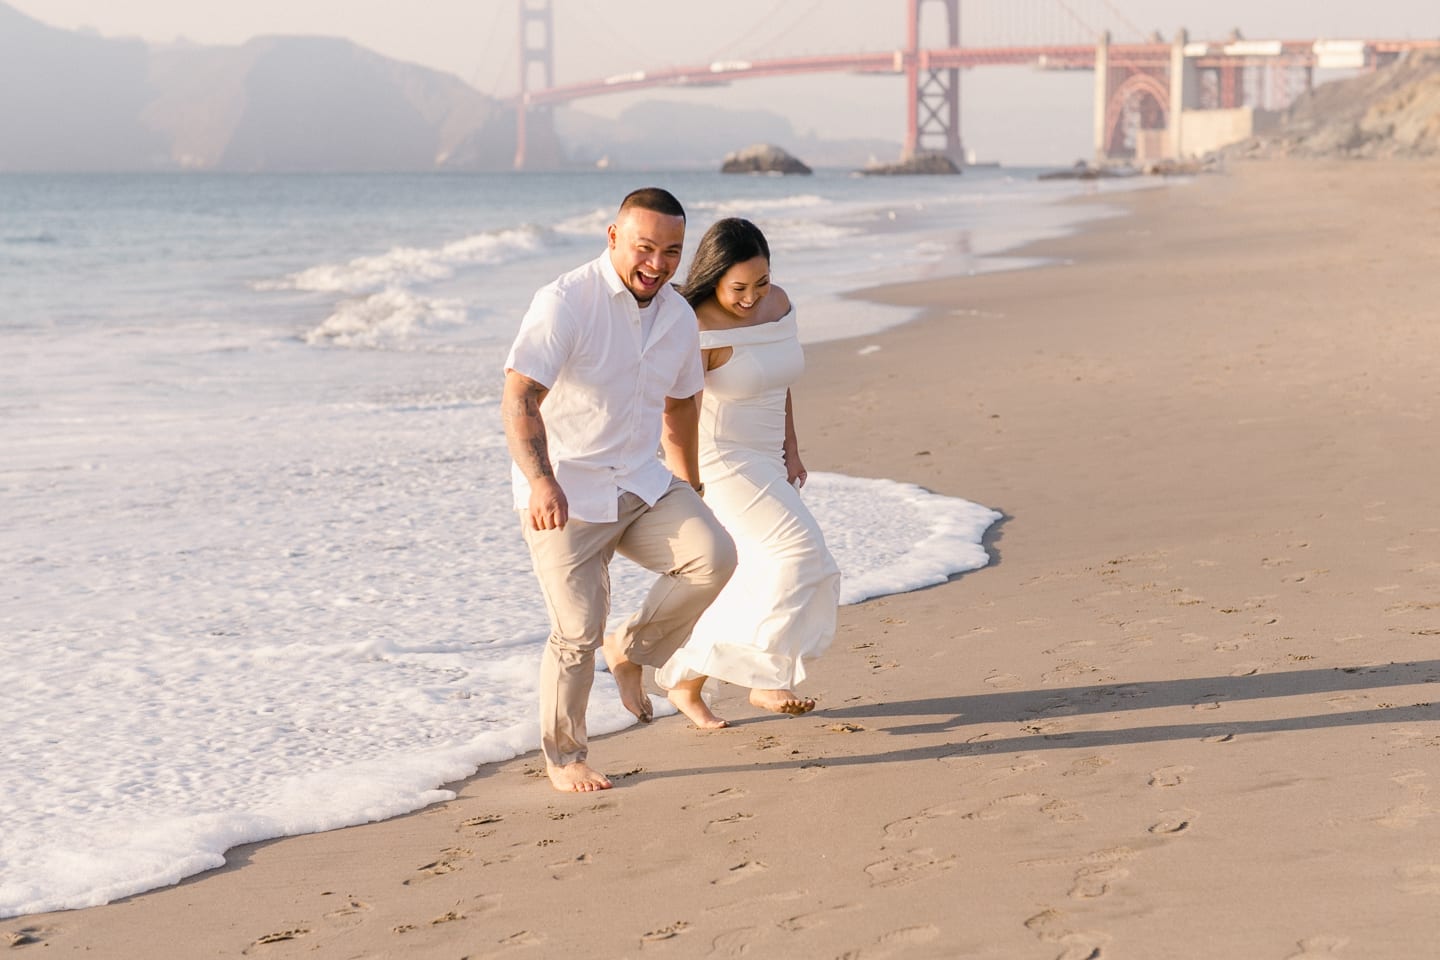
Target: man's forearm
{"type": "Point", "coordinates": [680, 440]}
{"type": "Point", "coordinates": [525, 428]}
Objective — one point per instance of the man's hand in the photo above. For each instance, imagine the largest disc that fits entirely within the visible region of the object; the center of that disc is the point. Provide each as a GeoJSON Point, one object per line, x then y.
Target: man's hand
{"type": "Point", "coordinates": [549, 510]}
{"type": "Point", "coordinates": [525, 433]}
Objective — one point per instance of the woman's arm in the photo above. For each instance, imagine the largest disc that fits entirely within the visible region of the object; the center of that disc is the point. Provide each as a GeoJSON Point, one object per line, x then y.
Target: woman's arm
{"type": "Point", "coordinates": [794, 469]}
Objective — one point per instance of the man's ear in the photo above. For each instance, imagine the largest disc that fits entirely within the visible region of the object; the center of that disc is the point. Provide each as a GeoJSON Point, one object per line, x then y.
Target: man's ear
{"type": "Point", "coordinates": [610, 233]}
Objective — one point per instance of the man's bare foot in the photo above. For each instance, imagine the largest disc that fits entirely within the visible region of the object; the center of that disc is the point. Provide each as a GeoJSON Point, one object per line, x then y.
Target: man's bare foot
{"type": "Point", "coordinates": [781, 701]}
{"type": "Point", "coordinates": [629, 678]}
{"type": "Point", "coordinates": [577, 777]}
{"type": "Point", "coordinates": [687, 699]}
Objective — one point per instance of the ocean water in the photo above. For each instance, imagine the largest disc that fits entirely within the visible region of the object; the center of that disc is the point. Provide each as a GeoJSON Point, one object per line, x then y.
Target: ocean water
{"type": "Point", "coordinates": [259, 567]}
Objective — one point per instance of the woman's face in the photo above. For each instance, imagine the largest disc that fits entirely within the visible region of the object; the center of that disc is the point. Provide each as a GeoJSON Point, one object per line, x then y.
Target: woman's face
{"type": "Point", "coordinates": [743, 286]}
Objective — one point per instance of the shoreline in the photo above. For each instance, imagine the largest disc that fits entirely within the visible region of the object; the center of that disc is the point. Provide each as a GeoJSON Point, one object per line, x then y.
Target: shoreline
{"type": "Point", "coordinates": [1205, 633]}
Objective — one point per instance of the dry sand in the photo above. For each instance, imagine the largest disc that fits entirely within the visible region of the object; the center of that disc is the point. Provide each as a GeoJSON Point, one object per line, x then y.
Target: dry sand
{"type": "Point", "coordinates": [1187, 711]}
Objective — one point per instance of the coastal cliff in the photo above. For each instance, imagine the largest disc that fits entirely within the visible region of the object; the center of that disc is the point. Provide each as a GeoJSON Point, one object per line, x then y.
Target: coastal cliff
{"type": "Point", "coordinates": [1392, 112]}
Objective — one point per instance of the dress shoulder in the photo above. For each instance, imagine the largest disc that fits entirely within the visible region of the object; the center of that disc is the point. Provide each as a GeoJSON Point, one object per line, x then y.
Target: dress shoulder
{"type": "Point", "coordinates": [774, 332]}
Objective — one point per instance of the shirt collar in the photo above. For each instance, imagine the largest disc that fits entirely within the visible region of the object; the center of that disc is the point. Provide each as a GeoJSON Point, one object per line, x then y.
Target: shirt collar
{"type": "Point", "coordinates": [616, 286]}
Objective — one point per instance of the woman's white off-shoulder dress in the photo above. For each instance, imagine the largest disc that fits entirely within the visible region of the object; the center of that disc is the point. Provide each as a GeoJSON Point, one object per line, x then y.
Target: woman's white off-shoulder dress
{"type": "Point", "coordinates": [779, 608]}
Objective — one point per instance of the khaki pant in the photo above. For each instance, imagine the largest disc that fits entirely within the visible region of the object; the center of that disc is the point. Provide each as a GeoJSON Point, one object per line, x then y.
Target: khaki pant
{"type": "Point", "coordinates": [678, 538]}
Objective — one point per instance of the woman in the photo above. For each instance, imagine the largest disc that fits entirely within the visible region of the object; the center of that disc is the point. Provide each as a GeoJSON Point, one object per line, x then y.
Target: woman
{"type": "Point", "coordinates": [779, 608]}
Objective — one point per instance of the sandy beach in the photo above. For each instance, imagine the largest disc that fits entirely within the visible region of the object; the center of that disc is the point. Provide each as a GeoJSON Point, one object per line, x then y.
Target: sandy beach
{"type": "Point", "coordinates": [1189, 710]}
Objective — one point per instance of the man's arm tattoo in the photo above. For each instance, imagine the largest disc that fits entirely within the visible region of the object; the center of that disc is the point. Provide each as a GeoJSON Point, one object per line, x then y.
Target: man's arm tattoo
{"type": "Point", "coordinates": [525, 429]}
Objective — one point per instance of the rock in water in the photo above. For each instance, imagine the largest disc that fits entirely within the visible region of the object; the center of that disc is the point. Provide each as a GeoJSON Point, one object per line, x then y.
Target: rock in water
{"type": "Point", "coordinates": [922, 163]}
{"type": "Point", "coordinates": [762, 158]}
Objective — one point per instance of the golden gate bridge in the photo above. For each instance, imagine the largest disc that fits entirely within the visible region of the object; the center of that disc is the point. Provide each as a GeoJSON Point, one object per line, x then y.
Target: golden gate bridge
{"type": "Point", "coordinates": [1153, 99]}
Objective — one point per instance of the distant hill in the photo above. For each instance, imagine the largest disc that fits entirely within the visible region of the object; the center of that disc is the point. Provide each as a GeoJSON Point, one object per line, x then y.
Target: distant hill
{"type": "Point", "coordinates": [74, 101]}
{"type": "Point", "coordinates": [1390, 112]}
{"type": "Point", "coordinates": [71, 101]}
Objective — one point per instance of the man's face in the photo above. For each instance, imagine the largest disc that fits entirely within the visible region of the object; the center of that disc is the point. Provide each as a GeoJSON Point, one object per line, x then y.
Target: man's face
{"type": "Point", "coordinates": [645, 250]}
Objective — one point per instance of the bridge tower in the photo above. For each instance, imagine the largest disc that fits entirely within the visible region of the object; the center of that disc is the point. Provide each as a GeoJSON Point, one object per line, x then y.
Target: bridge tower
{"type": "Point", "coordinates": [933, 120]}
{"type": "Point", "coordinates": [534, 125]}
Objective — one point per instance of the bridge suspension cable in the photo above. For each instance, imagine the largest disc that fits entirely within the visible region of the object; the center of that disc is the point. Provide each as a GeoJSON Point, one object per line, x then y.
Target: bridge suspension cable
{"type": "Point", "coordinates": [742, 43]}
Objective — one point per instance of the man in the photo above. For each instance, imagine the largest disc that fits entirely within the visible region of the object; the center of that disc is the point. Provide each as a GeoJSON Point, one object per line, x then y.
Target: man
{"type": "Point", "coordinates": [612, 353]}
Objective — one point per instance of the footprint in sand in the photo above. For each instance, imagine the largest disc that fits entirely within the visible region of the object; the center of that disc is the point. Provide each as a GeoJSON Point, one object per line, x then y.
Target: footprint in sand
{"type": "Point", "coordinates": [1049, 729]}
{"type": "Point", "coordinates": [1094, 859]}
{"type": "Point", "coordinates": [521, 938]}
{"type": "Point", "coordinates": [1406, 815]}
{"type": "Point", "coordinates": [1063, 811]}
{"type": "Point", "coordinates": [1003, 681]}
{"type": "Point", "coordinates": [1087, 766]}
{"type": "Point", "coordinates": [1303, 577]}
{"type": "Point", "coordinates": [726, 823]}
{"type": "Point", "coordinates": [1071, 670]}
{"type": "Point", "coordinates": [816, 918]}
{"type": "Point", "coordinates": [1050, 926]}
{"type": "Point", "coordinates": [449, 861]}
{"type": "Point", "coordinates": [907, 868]}
{"type": "Point", "coordinates": [667, 932]}
{"type": "Point", "coordinates": [1319, 948]}
{"type": "Point", "coordinates": [906, 827]}
{"type": "Point", "coordinates": [1000, 806]}
{"type": "Point", "coordinates": [741, 871]}
{"type": "Point", "coordinates": [1173, 822]}
{"type": "Point", "coordinates": [1346, 701]}
{"type": "Point", "coordinates": [808, 771]}
{"type": "Point", "coordinates": [280, 936]}
{"type": "Point", "coordinates": [349, 914]}
{"type": "Point", "coordinates": [564, 869]}
{"type": "Point", "coordinates": [735, 943]}
{"type": "Point", "coordinates": [1419, 879]}
{"type": "Point", "coordinates": [886, 944]}
{"type": "Point", "coordinates": [1169, 776]}
{"type": "Point", "coordinates": [718, 797]}
{"type": "Point", "coordinates": [1021, 765]}
{"type": "Point", "coordinates": [1094, 882]}
{"type": "Point", "coordinates": [24, 936]}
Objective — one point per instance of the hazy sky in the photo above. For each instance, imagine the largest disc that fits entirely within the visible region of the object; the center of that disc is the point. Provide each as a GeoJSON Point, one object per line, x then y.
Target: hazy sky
{"type": "Point", "coordinates": [1009, 113]}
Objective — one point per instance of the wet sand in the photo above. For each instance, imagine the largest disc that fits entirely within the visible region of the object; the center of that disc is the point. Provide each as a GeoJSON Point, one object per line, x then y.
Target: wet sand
{"type": "Point", "coordinates": [1189, 710]}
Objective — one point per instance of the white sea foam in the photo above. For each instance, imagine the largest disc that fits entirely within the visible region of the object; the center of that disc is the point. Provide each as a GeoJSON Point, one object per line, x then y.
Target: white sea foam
{"type": "Point", "coordinates": [332, 655]}
{"type": "Point", "coordinates": [405, 265]}
{"type": "Point", "coordinates": [754, 209]}
{"type": "Point", "coordinates": [387, 318]}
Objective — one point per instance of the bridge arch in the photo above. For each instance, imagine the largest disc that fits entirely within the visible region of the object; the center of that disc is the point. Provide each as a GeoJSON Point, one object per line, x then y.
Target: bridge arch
{"type": "Point", "coordinates": [1142, 93]}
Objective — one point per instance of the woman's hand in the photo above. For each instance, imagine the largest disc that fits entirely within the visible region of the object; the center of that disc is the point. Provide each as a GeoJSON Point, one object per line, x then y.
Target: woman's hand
{"type": "Point", "coordinates": [794, 470]}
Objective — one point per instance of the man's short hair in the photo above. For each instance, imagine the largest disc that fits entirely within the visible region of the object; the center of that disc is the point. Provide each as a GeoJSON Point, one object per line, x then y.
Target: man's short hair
{"type": "Point", "coordinates": [655, 200]}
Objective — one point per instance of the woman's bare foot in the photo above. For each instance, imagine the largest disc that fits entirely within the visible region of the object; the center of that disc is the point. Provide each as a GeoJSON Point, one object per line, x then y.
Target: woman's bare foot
{"type": "Point", "coordinates": [629, 678]}
{"type": "Point", "coordinates": [577, 777]}
{"type": "Point", "coordinates": [687, 699]}
{"type": "Point", "coordinates": [781, 701]}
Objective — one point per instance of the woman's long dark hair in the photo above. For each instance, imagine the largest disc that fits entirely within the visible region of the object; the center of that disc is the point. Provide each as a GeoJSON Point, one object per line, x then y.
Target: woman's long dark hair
{"type": "Point", "coordinates": [727, 242]}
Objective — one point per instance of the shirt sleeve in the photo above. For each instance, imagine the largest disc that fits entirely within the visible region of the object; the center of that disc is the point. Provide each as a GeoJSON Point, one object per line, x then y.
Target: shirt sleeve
{"type": "Point", "coordinates": [545, 340]}
{"type": "Point", "coordinates": [690, 380]}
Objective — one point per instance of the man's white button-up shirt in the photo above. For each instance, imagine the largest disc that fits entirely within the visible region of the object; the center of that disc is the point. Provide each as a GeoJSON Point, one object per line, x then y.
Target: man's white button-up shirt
{"type": "Point", "coordinates": [581, 339]}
